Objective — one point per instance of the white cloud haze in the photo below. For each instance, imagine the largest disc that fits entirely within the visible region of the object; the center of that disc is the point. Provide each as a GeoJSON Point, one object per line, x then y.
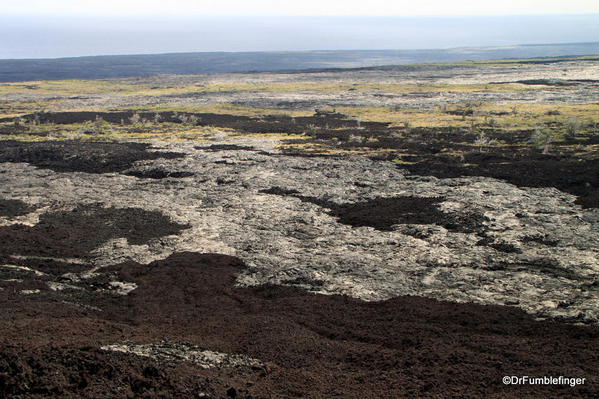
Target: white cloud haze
{"type": "Point", "coordinates": [37, 29]}
{"type": "Point", "coordinates": [303, 7]}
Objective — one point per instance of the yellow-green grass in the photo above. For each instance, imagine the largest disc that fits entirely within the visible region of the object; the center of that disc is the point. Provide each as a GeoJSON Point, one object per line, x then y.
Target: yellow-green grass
{"type": "Point", "coordinates": [174, 133]}
{"type": "Point", "coordinates": [505, 116]}
{"type": "Point", "coordinates": [333, 87]}
{"type": "Point", "coordinates": [329, 149]}
{"type": "Point", "coordinates": [30, 137]}
{"type": "Point", "coordinates": [127, 88]}
{"type": "Point", "coordinates": [13, 109]}
{"type": "Point", "coordinates": [224, 108]}
{"type": "Point", "coordinates": [517, 116]}
{"type": "Point", "coordinates": [107, 131]}
{"type": "Point", "coordinates": [68, 87]}
{"type": "Point", "coordinates": [16, 109]}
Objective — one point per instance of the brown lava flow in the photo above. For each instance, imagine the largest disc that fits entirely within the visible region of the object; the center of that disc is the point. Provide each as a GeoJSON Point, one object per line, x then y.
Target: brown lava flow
{"type": "Point", "coordinates": [313, 346]}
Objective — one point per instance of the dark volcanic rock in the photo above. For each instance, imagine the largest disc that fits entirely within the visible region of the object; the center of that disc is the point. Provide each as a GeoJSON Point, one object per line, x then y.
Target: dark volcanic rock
{"type": "Point", "coordinates": [383, 213]}
{"type": "Point", "coordinates": [226, 147]}
{"type": "Point", "coordinates": [91, 373]}
{"type": "Point", "coordinates": [13, 208]}
{"type": "Point", "coordinates": [157, 173]}
{"type": "Point", "coordinates": [575, 176]}
{"type": "Point", "coordinates": [316, 346]}
{"type": "Point", "coordinates": [75, 233]}
{"type": "Point", "coordinates": [78, 156]}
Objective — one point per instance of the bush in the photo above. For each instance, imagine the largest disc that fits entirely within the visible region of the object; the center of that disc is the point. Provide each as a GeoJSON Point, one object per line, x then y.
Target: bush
{"type": "Point", "coordinates": [572, 127]}
{"type": "Point", "coordinates": [542, 138]}
{"type": "Point", "coordinates": [135, 119]}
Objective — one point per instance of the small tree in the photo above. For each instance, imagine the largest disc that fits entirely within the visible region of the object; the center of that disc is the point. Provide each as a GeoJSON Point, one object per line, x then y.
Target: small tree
{"type": "Point", "coordinates": [98, 125]}
{"type": "Point", "coordinates": [542, 138]}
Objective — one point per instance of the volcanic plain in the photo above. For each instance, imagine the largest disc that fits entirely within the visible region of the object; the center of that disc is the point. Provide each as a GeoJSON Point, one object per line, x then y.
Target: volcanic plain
{"type": "Point", "coordinates": [415, 231]}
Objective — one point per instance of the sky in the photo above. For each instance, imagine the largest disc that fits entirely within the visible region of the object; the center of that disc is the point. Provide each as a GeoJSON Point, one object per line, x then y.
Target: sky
{"type": "Point", "coordinates": [302, 7]}
{"type": "Point", "coordinates": [69, 28]}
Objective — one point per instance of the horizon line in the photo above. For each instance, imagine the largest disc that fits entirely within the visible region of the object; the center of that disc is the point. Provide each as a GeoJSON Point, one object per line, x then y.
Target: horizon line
{"type": "Point", "coordinates": [194, 15]}
{"type": "Point", "coordinates": [506, 46]}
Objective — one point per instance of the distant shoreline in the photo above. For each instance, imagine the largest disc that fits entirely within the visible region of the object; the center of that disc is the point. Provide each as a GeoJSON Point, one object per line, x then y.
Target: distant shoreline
{"type": "Point", "coordinates": [126, 66]}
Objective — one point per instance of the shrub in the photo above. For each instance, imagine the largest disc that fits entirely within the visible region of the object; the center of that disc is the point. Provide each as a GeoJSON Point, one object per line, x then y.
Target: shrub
{"type": "Point", "coordinates": [355, 139]}
{"type": "Point", "coordinates": [135, 119]}
{"type": "Point", "coordinates": [572, 127]}
{"type": "Point", "coordinates": [482, 140]}
{"type": "Point", "coordinates": [542, 138]}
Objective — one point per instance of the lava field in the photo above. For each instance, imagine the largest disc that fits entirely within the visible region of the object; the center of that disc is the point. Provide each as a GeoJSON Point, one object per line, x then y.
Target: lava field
{"type": "Point", "coordinates": [314, 254]}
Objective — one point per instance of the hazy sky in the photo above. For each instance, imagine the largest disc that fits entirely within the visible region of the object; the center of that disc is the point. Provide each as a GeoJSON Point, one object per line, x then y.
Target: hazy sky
{"type": "Point", "coordinates": [63, 28]}
{"type": "Point", "coordinates": [299, 7]}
